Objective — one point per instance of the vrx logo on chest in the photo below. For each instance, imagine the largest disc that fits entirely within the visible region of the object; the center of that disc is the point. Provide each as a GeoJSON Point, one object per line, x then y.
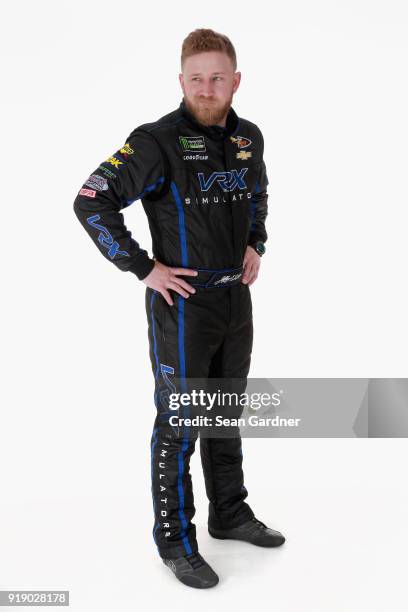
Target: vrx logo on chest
{"type": "Point", "coordinates": [228, 180]}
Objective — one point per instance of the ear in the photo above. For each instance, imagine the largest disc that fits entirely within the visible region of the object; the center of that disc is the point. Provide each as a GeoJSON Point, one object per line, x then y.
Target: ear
{"type": "Point", "coordinates": [236, 81]}
{"type": "Point", "coordinates": [181, 79]}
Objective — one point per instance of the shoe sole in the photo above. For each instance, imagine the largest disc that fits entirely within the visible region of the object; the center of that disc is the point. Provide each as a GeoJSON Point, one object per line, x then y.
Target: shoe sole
{"type": "Point", "coordinates": [186, 582]}
{"type": "Point", "coordinates": [213, 534]}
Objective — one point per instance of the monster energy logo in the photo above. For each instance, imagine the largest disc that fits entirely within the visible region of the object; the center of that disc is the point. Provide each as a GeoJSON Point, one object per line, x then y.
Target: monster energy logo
{"type": "Point", "coordinates": [192, 143]}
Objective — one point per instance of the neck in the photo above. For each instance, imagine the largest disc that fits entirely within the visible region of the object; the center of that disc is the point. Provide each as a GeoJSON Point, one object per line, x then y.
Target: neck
{"type": "Point", "coordinates": [223, 121]}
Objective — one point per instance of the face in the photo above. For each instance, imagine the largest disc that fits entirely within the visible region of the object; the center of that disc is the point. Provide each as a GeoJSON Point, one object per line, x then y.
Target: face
{"type": "Point", "coordinates": [209, 82]}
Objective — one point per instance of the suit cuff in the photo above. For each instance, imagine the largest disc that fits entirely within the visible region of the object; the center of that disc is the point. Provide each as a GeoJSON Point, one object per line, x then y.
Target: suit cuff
{"type": "Point", "coordinates": [142, 267]}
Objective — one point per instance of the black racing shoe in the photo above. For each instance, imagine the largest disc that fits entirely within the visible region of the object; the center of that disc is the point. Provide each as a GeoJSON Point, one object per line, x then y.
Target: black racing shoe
{"type": "Point", "coordinates": [193, 571]}
{"type": "Point", "coordinates": [252, 531]}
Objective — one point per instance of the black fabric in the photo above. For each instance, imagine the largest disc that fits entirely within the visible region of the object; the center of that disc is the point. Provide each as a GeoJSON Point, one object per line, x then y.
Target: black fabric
{"type": "Point", "coordinates": [211, 333]}
{"type": "Point", "coordinates": [203, 189]}
{"type": "Point", "coordinates": [162, 191]}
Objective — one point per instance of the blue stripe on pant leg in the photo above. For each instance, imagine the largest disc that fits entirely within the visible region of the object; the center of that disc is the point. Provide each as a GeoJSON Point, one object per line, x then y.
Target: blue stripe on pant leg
{"type": "Point", "coordinates": [153, 324]}
{"type": "Point", "coordinates": [154, 503]}
{"type": "Point", "coordinates": [182, 365]}
{"type": "Point", "coordinates": [184, 445]}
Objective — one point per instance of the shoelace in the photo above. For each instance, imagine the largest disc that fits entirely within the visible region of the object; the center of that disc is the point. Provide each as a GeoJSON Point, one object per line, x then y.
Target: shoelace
{"type": "Point", "coordinates": [258, 523]}
{"type": "Point", "coordinates": [195, 560]}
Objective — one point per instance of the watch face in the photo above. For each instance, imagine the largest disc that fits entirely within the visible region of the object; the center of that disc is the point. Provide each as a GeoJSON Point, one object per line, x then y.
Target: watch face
{"type": "Point", "coordinates": [260, 248]}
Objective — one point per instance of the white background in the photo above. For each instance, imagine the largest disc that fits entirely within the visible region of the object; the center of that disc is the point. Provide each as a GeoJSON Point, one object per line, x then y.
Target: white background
{"type": "Point", "coordinates": [327, 84]}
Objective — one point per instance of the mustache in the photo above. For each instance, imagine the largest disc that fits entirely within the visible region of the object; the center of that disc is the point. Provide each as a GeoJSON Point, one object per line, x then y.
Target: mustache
{"type": "Point", "coordinates": [206, 100]}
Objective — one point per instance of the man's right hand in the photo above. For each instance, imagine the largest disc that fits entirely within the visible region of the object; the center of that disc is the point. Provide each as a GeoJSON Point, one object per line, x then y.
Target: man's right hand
{"type": "Point", "coordinates": [162, 278]}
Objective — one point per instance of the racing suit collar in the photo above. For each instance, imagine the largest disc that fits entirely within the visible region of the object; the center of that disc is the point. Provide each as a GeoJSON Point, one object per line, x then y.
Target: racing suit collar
{"type": "Point", "coordinates": [217, 132]}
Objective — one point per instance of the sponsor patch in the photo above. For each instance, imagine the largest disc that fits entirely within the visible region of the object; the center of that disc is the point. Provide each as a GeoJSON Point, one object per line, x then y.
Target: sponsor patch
{"type": "Point", "coordinates": [197, 156]}
{"type": "Point", "coordinates": [192, 143]}
{"type": "Point", "coordinates": [114, 161]}
{"type": "Point", "coordinates": [241, 141]}
{"type": "Point", "coordinates": [97, 182]}
{"type": "Point", "coordinates": [107, 172]}
{"type": "Point", "coordinates": [126, 150]}
{"type": "Point", "coordinates": [244, 155]}
{"type": "Point", "coordinates": [90, 193]}
{"type": "Point", "coordinates": [228, 180]}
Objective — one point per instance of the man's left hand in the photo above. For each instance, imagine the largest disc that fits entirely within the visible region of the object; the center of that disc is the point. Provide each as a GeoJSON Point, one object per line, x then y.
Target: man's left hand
{"type": "Point", "coordinates": [252, 262]}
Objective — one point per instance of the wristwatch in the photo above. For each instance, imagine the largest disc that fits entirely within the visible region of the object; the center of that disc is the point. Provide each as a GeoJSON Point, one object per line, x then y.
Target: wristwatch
{"type": "Point", "coordinates": [259, 247]}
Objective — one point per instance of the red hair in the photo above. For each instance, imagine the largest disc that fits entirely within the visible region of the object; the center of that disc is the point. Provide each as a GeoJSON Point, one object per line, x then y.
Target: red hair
{"type": "Point", "coordinates": [204, 39]}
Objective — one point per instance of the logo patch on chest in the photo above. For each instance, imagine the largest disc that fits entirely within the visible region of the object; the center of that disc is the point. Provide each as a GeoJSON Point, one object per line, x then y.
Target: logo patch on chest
{"type": "Point", "coordinates": [241, 141]}
{"type": "Point", "coordinates": [192, 143]}
{"type": "Point", "coordinates": [228, 181]}
{"type": "Point", "coordinates": [244, 155]}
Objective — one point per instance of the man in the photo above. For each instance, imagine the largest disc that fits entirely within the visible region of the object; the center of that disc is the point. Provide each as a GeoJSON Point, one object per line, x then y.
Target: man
{"type": "Point", "coordinates": [200, 174]}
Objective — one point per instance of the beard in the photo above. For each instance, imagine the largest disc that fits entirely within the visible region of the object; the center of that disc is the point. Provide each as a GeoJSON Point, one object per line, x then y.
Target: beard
{"type": "Point", "coordinates": [208, 111]}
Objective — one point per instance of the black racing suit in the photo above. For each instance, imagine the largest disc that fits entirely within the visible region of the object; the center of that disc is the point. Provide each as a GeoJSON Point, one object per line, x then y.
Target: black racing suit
{"type": "Point", "coordinates": [204, 192]}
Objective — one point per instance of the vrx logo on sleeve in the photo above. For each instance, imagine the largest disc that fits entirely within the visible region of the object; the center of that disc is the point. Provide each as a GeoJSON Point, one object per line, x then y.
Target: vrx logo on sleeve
{"type": "Point", "coordinates": [228, 181]}
{"type": "Point", "coordinates": [105, 238]}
